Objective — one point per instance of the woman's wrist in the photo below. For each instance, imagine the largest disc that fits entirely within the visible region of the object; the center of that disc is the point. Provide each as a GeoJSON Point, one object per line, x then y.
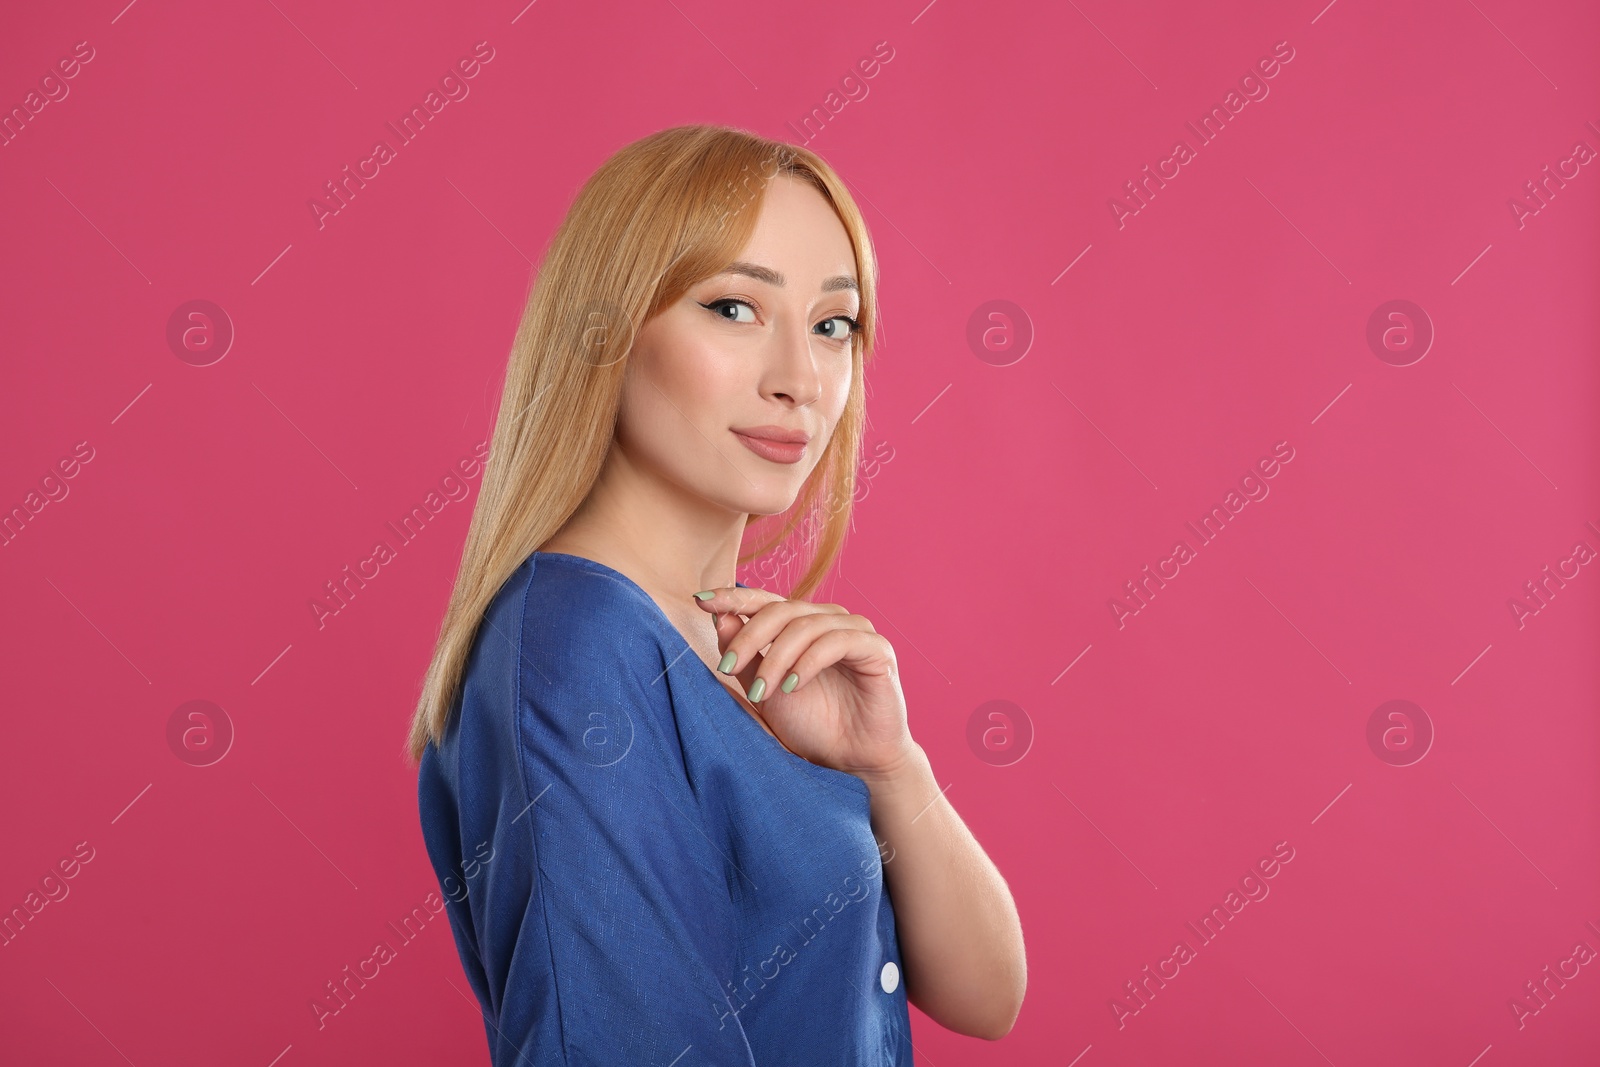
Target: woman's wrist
{"type": "Point", "coordinates": [908, 769]}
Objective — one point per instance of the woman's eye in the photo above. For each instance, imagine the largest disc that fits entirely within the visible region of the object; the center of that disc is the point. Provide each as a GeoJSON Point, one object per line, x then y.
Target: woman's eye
{"type": "Point", "coordinates": [728, 308]}
{"type": "Point", "coordinates": [717, 307]}
{"type": "Point", "coordinates": [837, 335]}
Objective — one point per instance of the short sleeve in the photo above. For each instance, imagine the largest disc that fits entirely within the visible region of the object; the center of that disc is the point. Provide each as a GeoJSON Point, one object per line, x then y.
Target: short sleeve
{"type": "Point", "coordinates": [630, 886]}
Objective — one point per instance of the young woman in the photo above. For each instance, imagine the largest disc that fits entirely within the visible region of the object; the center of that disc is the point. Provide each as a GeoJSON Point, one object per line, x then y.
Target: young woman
{"type": "Point", "coordinates": [678, 819]}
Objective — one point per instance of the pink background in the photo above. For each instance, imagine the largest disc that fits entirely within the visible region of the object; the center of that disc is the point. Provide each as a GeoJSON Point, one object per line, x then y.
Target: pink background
{"type": "Point", "coordinates": [1011, 500]}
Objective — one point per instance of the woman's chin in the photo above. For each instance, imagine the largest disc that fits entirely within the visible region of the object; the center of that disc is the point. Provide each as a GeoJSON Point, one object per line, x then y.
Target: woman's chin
{"type": "Point", "coordinates": [769, 503]}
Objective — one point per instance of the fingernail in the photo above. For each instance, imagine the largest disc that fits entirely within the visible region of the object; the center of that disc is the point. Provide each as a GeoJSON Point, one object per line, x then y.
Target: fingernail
{"type": "Point", "coordinates": [729, 658]}
{"type": "Point", "coordinates": [705, 594]}
{"type": "Point", "coordinates": [758, 690]}
{"type": "Point", "coordinates": [790, 682]}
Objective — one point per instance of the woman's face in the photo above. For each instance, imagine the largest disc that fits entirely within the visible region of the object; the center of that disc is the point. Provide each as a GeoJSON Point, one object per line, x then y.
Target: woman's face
{"type": "Point", "coordinates": [759, 351]}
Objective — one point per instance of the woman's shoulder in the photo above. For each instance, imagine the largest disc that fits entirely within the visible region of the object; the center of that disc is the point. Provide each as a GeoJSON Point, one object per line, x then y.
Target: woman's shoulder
{"type": "Point", "coordinates": [578, 614]}
{"type": "Point", "coordinates": [591, 678]}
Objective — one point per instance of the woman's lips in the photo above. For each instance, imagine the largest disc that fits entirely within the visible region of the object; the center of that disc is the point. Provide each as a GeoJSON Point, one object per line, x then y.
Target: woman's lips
{"type": "Point", "coordinates": [773, 450]}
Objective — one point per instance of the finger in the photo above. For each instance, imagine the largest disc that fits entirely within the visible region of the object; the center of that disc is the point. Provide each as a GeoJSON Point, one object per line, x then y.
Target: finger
{"type": "Point", "coordinates": [731, 602]}
{"type": "Point", "coordinates": [780, 668]}
{"type": "Point", "coordinates": [740, 599]}
{"type": "Point", "coordinates": [763, 627]}
{"type": "Point", "coordinates": [868, 653]}
{"type": "Point", "coordinates": [726, 625]}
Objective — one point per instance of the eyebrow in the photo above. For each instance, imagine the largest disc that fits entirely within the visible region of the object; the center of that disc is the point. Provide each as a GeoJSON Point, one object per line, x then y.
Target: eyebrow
{"type": "Point", "coordinates": [772, 277]}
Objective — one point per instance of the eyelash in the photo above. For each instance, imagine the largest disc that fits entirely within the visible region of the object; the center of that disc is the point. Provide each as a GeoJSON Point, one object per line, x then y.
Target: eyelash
{"type": "Point", "coordinates": [855, 327]}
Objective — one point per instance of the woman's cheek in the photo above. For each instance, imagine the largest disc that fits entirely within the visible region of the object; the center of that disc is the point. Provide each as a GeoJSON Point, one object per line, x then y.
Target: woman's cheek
{"type": "Point", "coordinates": [838, 393]}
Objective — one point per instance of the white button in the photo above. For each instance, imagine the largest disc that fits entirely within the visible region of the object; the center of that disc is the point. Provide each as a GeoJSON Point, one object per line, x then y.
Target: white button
{"type": "Point", "coordinates": [890, 977]}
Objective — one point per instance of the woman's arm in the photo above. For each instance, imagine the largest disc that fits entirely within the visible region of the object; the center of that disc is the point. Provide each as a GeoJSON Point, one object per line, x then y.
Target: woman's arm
{"type": "Point", "coordinates": [841, 705]}
{"type": "Point", "coordinates": [960, 937]}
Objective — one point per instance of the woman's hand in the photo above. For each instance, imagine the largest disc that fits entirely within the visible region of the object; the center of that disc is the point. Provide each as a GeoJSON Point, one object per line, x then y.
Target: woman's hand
{"type": "Point", "coordinates": [959, 934]}
{"type": "Point", "coordinates": [843, 708]}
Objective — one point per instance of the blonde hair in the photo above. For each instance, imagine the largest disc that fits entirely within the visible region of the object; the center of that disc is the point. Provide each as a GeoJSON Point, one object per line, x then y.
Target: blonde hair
{"type": "Point", "coordinates": [663, 213]}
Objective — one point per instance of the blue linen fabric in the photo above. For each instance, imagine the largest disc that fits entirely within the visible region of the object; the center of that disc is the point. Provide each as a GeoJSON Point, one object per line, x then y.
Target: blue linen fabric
{"type": "Point", "coordinates": [635, 871]}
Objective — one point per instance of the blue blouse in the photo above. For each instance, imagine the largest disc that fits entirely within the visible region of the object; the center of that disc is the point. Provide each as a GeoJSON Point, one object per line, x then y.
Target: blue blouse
{"type": "Point", "coordinates": [635, 871]}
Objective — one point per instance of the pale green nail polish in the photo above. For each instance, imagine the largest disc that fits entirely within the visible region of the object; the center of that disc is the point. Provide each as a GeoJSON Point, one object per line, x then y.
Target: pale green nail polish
{"type": "Point", "coordinates": [705, 594]}
{"type": "Point", "coordinates": [758, 690]}
{"type": "Point", "coordinates": [790, 682]}
{"type": "Point", "coordinates": [729, 658]}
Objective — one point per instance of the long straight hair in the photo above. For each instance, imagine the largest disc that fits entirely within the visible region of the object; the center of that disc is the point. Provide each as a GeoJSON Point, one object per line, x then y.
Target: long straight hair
{"type": "Point", "coordinates": [660, 215]}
